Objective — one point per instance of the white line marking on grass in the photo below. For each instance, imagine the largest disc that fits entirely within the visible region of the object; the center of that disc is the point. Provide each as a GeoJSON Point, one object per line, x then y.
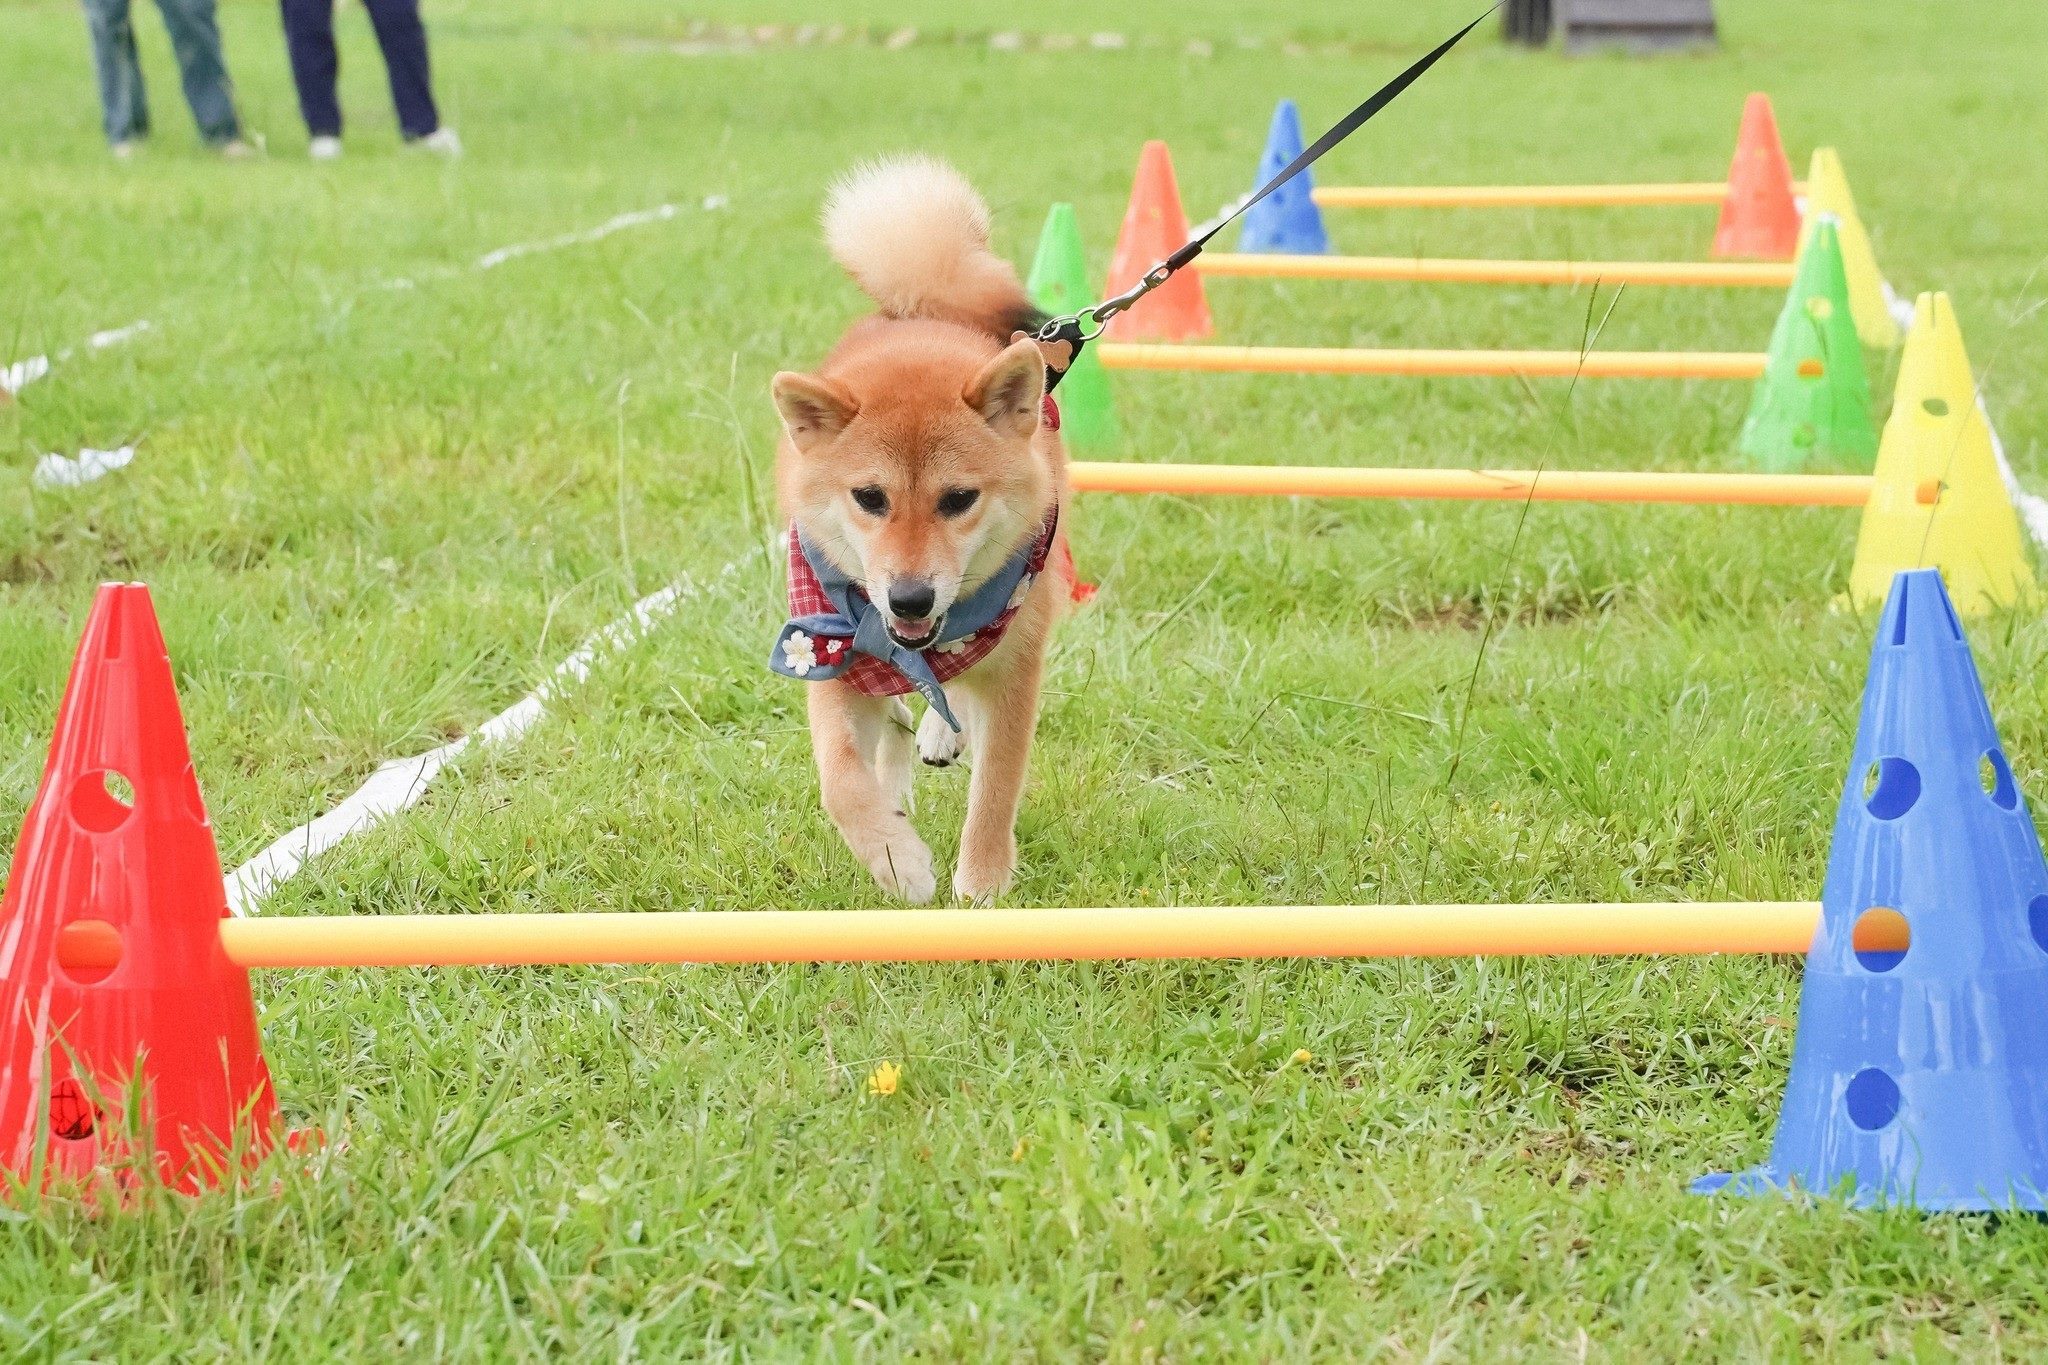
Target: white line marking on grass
{"type": "Point", "coordinates": [619, 222]}
{"type": "Point", "coordinates": [1898, 305]}
{"type": "Point", "coordinates": [616, 223]}
{"type": "Point", "coordinates": [22, 373]}
{"type": "Point", "coordinates": [114, 336]}
{"type": "Point", "coordinates": [2032, 507]}
{"type": "Point", "coordinates": [57, 471]}
{"type": "Point", "coordinates": [66, 471]}
{"type": "Point", "coordinates": [401, 783]}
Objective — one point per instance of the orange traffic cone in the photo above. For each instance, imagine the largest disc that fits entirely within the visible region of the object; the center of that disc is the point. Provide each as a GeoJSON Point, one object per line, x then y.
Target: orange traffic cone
{"type": "Point", "coordinates": [139, 1051]}
{"type": "Point", "coordinates": [1758, 217]}
{"type": "Point", "coordinates": [1154, 228]}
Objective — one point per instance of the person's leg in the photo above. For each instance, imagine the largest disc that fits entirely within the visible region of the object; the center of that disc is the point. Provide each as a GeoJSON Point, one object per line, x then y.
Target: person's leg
{"type": "Point", "coordinates": [309, 34]}
{"type": "Point", "coordinates": [195, 37]}
{"type": "Point", "coordinates": [404, 40]}
{"type": "Point", "coordinates": [123, 106]}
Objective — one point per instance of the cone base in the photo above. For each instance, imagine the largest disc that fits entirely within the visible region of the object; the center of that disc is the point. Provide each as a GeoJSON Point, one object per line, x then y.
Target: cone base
{"type": "Point", "coordinates": [1759, 1181]}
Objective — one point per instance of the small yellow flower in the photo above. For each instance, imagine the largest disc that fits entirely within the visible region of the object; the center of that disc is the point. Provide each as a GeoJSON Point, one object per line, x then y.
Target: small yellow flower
{"type": "Point", "coordinates": [1302, 1056]}
{"type": "Point", "coordinates": [884, 1078]}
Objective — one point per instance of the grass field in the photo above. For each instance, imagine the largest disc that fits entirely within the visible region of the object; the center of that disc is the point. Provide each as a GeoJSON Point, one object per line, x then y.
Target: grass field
{"type": "Point", "coordinates": [373, 517]}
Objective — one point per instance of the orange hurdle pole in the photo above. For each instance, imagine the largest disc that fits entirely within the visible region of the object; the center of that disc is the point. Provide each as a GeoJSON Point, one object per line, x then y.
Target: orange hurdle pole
{"type": "Point", "coordinates": [1444, 270]}
{"type": "Point", "coordinates": [738, 936]}
{"type": "Point", "coordinates": [1118, 355]}
{"type": "Point", "coordinates": [1477, 485]}
{"type": "Point", "coordinates": [1521, 196]}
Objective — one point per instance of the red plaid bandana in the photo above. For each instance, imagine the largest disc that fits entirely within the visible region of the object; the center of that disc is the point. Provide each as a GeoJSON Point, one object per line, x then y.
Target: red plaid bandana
{"type": "Point", "coordinates": [877, 677]}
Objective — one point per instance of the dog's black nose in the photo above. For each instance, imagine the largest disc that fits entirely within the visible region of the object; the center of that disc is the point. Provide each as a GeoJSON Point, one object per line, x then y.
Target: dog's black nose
{"type": "Point", "coordinates": [910, 599]}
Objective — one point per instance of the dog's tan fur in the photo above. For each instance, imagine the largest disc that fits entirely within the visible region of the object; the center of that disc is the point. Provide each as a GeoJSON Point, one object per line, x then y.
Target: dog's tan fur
{"type": "Point", "coordinates": [928, 397]}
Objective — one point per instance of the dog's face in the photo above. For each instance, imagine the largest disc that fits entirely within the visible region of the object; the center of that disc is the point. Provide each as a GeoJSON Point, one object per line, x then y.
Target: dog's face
{"type": "Point", "coordinates": [916, 477]}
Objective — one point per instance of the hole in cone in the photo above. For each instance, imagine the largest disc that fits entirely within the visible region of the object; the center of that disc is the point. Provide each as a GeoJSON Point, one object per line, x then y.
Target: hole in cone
{"type": "Point", "coordinates": [1811, 369]}
{"type": "Point", "coordinates": [1882, 938]}
{"type": "Point", "coordinates": [73, 1116]}
{"type": "Point", "coordinates": [1872, 1098]}
{"type": "Point", "coordinates": [1995, 775]}
{"type": "Point", "coordinates": [88, 950]}
{"type": "Point", "coordinates": [1934, 407]}
{"type": "Point", "coordinates": [102, 801]}
{"type": "Point", "coordinates": [1820, 309]}
{"type": "Point", "coordinates": [1890, 788]}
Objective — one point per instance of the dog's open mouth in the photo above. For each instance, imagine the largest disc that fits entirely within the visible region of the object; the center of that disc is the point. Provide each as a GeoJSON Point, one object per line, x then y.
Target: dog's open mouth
{"type": "Point", "coordinates": [914, 634]}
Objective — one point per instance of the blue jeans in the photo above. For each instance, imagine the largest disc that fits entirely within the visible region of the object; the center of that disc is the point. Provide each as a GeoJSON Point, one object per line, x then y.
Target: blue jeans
{"type": "Point", "coordinates": [196, 40]}
{"type": "Point", "coordinates": [309, 33]}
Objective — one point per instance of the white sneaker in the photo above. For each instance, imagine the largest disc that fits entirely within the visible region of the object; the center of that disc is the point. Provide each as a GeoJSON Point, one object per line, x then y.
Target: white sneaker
{"type": "Point", "coordinates": [123, 150]}
{"type": "Point", "coordinates": [444, 142]}
{"type": "Point", "coordinates": [235, 149]}
{"type": "Point", "coordinates": [324, 148]}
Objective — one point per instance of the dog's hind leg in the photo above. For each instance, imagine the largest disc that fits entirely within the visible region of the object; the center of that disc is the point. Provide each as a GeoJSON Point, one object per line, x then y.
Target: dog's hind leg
{"type": "Point", "coordinates": [846, 729]}
{"type": "Point", "coordinates": [938, 743]}
{"type": "Point", "coordinates": [894, 747]}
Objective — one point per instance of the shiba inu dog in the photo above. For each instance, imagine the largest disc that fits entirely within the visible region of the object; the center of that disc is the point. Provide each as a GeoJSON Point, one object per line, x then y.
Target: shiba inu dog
{"type": "Point", "coordinates": [923, 476]}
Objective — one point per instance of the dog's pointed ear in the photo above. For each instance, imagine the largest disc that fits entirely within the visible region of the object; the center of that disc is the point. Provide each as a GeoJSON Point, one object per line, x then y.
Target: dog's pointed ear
{"type": "Point", "coordinates": [813, 410]}
{"type": "Point", "coordinates": [1008, 391]}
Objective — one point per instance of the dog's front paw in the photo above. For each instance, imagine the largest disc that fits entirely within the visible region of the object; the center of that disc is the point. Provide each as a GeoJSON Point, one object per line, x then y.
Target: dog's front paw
{"type": "Point", "coordinates": [904, 869]}
{"type": "Point", "coordinates": [937, 742]}
{"type": "Point", "coordinates": [984, 875]}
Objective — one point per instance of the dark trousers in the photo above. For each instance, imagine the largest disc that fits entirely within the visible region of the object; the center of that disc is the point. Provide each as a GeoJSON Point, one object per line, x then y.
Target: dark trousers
{"type": "Point", "coordinates": [195, 38]}
{"type": "Point", "coordinates": [309, 33]}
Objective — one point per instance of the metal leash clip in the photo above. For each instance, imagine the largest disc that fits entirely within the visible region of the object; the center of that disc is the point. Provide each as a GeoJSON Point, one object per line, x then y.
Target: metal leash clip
{"type": "Point", "coordinates": [1074, 326]}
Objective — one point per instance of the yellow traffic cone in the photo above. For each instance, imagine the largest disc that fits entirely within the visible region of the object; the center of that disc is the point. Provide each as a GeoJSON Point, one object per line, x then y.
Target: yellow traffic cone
{"type": "Point", "coordinates": [1827, 192]}
{"type": "Point", "coordinates": [1939, 501]}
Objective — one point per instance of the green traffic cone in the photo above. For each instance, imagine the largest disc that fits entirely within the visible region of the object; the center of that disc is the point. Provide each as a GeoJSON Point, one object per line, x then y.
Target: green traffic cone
{"type": "Point", "coordinates": [1059, 284]}
{"type": "Point", "coordinates": [1812, 405]}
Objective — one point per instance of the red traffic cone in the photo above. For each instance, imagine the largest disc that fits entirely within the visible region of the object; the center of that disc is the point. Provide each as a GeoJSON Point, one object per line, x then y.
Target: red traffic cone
{"type": "Point", "coordinates": [1758, 217]}
{"type": "Point", "coordinates": [151, 1053]}
{"type": "Point", "coordinates": [1155, 226]}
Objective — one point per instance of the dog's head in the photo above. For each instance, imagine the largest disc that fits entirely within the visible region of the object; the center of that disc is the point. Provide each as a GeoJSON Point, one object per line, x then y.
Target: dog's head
{"type": "Point", "coordinates": [912, 468]}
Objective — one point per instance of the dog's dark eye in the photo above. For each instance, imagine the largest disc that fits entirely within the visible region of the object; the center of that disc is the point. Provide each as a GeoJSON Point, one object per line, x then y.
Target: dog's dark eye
{"type": "Point", "coordinates": [955, 501]}
{"type": "Point", "coordinates": [871, 500]}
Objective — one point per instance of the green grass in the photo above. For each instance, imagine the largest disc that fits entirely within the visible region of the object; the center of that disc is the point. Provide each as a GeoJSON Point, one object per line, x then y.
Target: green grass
{"type": "Point", "coordinates": [372, 518]}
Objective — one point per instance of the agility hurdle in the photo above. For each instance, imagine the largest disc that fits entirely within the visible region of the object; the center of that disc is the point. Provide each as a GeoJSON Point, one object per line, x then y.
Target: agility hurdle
{"type": "Point", "coordinates": [1759, 199]}
{"type": "Point", "coordinates": [1062, 935]}
{"type": "Point", "coordinates": [1522, 196]}
{"type": "Point", "coordinates": [1485, 485]}
{"type": "Point", "coordinates": [129, 1040]}
{"type": "Point", "coordinates": [1445, 270]}
{"type": "Point", "coordinates": [1123, 355]}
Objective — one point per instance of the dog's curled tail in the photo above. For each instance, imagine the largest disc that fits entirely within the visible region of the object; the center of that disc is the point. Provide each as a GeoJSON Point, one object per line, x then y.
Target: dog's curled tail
{"type": "Point", "coordinates": [914, 235]}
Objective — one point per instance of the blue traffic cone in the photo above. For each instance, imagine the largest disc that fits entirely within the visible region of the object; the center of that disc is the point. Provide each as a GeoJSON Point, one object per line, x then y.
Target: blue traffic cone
{"type": "Point", "coordinates": [1920, 1071]}
{"type": "Point", "coordinates": [1287, 220]}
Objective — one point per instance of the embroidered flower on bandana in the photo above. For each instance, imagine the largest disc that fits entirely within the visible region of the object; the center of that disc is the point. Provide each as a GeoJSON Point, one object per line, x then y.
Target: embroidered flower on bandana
{"type": "Point", "coordinates": [1023, 590]}
{"type": "Point", "coordinates": [799, 654]}
{"type": "Point", "coordinates": [958, 646]}
{"type": "Point", "coordinates": [835, 648]}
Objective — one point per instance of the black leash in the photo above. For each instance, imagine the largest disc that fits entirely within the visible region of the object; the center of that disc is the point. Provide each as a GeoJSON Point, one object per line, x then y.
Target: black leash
{"type": "Point", "coordinates": [1074, 328]}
